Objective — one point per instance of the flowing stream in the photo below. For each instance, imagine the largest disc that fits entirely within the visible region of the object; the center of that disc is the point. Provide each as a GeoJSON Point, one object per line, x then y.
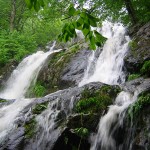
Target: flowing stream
{"type": "Point", "coordinates": [17, 86]}
{"type": "Point", "coordinates": [107, 68]}
{"type": "Point", "coordinates": [27, 71]}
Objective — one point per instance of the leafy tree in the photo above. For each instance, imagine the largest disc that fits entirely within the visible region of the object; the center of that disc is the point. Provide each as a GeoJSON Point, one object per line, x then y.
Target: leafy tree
{"type": "Point", "coordinates": [126, 11]}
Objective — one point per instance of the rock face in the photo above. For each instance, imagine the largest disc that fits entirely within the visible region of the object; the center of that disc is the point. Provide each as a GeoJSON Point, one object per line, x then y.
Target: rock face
{"type": "Point", "coordinates": [74, 71]}
{"type": "Point", "coordinates": [65, 119]}
{"type": "Point", "coordinates": [6, 71]}
{"type": "Point", "coordinates": [64, 69]}
{"type": "Point", "coordinates": [27, 131]}
{"type": "Point", "coordinates": [139, 50]}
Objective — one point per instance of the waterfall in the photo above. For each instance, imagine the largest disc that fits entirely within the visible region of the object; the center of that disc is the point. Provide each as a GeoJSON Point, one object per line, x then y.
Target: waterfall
{"type": "Point", "coordinates": [16, 87]}
{"type": "Point", "coordinates": [108, 68]}
{"type": "Point", "coordinates": [48, 129]}
{"type": "Point", "coordinates": [27, 71]}
{"type": "Point", "coordinates": [111, 121]}
{"type": "Point", "coordinates": [8, 116]}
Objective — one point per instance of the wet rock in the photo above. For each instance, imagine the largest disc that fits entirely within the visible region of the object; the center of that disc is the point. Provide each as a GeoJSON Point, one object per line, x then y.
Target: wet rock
{"type": "Point", "coordinates": [139, 84]}
{"type": "Point", "coordinates": [70, 141]}
{"type": "Point", "coordinates": [139, 50]}
{"type": "Point", "coordinates": [6, 71]}
{"type": "Point", "coordinates": [88, 121]}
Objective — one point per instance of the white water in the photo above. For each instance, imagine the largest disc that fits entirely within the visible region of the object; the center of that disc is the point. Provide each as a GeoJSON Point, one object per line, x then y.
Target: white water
{"type": "Point", "coordinates": [109, 65]}
{"type": "Point", "coordinates": [16, 87]}
{"type": "Point", "coordinates": [113, 120]}
{"type": "Point", "coordinates": [47, 123]}
{"type": "Point", "coordinates": [8, 116]}
{"type": "Point", "coordinates": [26, 72]}
{"type": "Point", "coordinates": [108, 69]}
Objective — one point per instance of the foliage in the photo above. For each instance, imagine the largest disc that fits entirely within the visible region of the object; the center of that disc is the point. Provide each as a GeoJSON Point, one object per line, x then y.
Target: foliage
{"type": "Point", "coordinates": [142, 101]}
{"type": "Point", "coordinates": [36, 4]}
{"type": "Point", "coordinates": [78, 17]}
{"type": "Point", "coordinates": [39, 108]}
{"type": "Point", "coordinates": [133, 44]}
{"type": "Point", "coordinates": [25, 30]}
{"type": "Point", "coordinates": [133, 76]}
{"type": "Point", "coordinates": [146, 68]}
{"type": "Point", "coordinates": [15, 46]}
{"type": "Point", "coordinates": [93, 102]}
{"type": "Point", "coordinates": [30, 128]}
{"type": "Point", "coordinates": [84, 23]}
{"type": "Point", "coordinates": [39, 90]}
{"type": "Point", "coordinates": [3, 100]}
{"type": "Point", "coordinates": [82, 132]}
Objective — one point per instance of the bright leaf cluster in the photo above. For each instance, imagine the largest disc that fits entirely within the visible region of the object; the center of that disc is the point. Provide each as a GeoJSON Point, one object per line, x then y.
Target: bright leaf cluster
{"type": "Point", "coordinates": [84, 22]}
{"type": "Point", "coordinates": [36, 4]}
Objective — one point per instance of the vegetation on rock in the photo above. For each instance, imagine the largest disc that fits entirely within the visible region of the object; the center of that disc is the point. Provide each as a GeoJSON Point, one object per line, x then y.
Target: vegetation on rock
{"type": "Point", "coordinates": [3, 100]}
{"type": "Point", "coordinates": [38, 108]}
{"type": "Point", "coordinates": [96, 101]}
{"type": "Point", "coordinates": [142, 101]}
{"type": "Point", "coordinates": [145, 70]}
{"type": "Point", "coordinates": [133, 76]}
{"type": "Point", "coordinates": [30, 128]}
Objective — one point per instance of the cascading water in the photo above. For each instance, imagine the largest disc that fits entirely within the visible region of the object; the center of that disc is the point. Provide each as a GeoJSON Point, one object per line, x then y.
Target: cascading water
{"type": "Point", "coordinates": [109, 65]}
{"type": "Point", "coordinates": [17, 86]}
{"type": "Point", "coordinates": [107, 69]}
{"type": "Point", "coordinates": [27, 71]}
{"type": "Point", "coordinates": [48, 129]}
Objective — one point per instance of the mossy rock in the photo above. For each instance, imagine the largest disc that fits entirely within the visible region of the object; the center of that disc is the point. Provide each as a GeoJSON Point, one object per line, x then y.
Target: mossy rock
{"type": "Point", "coordinates": [142, 102]}
{"type": "Point", "coordinates": [133, 76]}
{"type": "Point", "coordinates": [38, 108]}
{"type": "Point", "coordinates": [30, 128]}
{"type": "Point", "coordinates": [98, 100]}
{"type": "Point", "coordinates": [3, 100]}
{"type": "Point", "coordinates": [50, 76]}
{"type": "Point", "coordinates": [88, 121]}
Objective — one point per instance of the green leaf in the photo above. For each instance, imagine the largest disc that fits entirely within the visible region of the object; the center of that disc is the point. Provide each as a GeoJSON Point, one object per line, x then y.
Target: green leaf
{"type": "Point", "coordinates": [85, 31]}
{"type": "Point", "coordinates": [87, 26]}
{"type": "Point", "coordinates": [36, 6]}
{"type": "Point", "coordinates": [99, 37]}
{"type": "Point", "coordinates": [92, 43]}
{"type": "Point", "coordinates": [93, 23]}
{"type": "Point", "coordinates": [72, 11]}
{"type": "Point", "coordinates": [78, 25]}
{"type": "Point", "coordinates": [83, 15]}
{"type": "Point", "coordinates": [80, 20]}
{"type": "Point", "coordinates": [41, 2]}
{"type": "Point", "coordinates": [29, 3]}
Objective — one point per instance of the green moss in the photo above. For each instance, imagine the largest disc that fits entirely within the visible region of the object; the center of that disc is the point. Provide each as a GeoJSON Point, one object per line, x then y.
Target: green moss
{"type": "Point", "coordinates": [82, 132]}
{"type": "Point", "coordinates": [96, 101]}
{"type": "Point", "coordinates": [145, 70]}
{"type": "Point", "coordinates": [56, 65]}
{"type": "Point", "coordinates": [133, 44]}
{"type": "Point", "coordinates": [39, 108]}
{"type": "Point", "coordinates": [3, 100]}
{"type": "Point", "coordinates": [143, 101]}
{"type": "Point", "coordinates": [30, 128]}
{"type": "Point", "coordinates": [37, 90]}
{"type": "Point", "coordinates": [133, 76]}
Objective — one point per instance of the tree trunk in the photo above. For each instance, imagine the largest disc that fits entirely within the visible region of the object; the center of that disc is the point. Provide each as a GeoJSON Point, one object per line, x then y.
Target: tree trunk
{"type": "Point", "coordinates": [131, 11]}
{"type": "Point", "coordinates": [12, 15]}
